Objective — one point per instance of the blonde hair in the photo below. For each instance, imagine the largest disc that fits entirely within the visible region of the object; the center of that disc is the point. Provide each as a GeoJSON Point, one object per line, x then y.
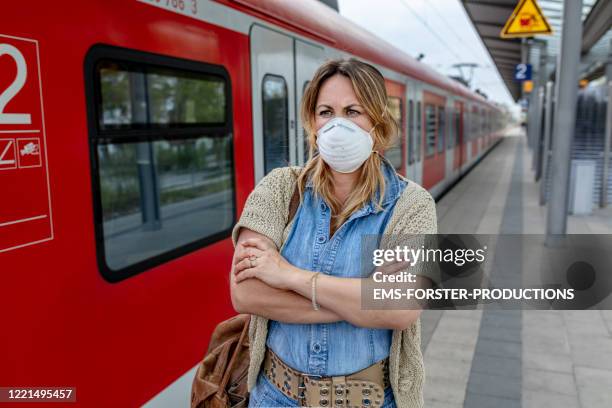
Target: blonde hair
{"type": "Point", "coordinates": [369, 87]}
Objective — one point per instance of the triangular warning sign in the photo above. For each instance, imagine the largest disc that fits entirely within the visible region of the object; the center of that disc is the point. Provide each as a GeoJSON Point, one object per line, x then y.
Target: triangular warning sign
{"type": "Point", "coordinates": [526, 20]}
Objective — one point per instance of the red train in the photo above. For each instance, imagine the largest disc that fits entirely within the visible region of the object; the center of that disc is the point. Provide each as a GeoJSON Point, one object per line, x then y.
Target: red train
{"type": "Point", "coordinates": [131, 133]}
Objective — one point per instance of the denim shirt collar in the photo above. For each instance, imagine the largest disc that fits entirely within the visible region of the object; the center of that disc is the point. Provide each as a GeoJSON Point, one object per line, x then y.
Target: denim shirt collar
{"type": "Point", "coordinates": [392, 188]}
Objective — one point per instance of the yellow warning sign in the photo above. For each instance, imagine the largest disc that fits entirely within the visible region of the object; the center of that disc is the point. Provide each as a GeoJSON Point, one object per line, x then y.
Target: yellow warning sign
{"type": "Point", "coordinates": [526, 20]}
{"type": "Point", "coordinates": [527, 86]}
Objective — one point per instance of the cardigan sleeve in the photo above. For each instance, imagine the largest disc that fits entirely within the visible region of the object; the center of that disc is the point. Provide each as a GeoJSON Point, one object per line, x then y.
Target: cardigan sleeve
{"type": "Point", "coordinates": [267, 207]}
{"type": "Point", "coordinates": [415, 226]}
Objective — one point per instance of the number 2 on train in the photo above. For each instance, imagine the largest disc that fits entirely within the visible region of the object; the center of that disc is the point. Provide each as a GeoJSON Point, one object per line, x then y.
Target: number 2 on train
{"type": "Point", "coordinates": [14, 88]}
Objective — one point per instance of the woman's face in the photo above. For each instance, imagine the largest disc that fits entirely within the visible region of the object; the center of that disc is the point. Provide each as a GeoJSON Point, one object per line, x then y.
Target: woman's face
{"type": "Point", "coordinates": [337, 99]}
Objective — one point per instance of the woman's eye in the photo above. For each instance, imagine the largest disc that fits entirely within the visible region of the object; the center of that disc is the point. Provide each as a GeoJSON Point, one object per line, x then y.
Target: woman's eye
{"type": "Point", "coordinates": [324, 113]}
{"type": "Point", "coordinates": [352, 112]}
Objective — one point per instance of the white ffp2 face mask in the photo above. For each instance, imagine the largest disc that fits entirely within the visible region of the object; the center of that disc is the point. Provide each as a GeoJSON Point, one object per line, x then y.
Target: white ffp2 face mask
{"type": "Point", "coordinates": [343, 145]}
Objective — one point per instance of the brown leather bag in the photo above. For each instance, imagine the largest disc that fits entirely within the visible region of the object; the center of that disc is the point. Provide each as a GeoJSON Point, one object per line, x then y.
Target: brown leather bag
{"type": "Point", "coordinates": [221, 377]}
{"type": "Point", "coordinates": [220, 380]}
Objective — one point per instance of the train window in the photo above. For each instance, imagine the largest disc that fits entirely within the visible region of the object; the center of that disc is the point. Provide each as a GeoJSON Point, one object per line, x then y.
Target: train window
{"type": "Point", "coordinates": [430, 130]}
{"type": "Point", "coordinates": [466, 125]}
{"type": "Point", "coordinates": [450, 141]}
{"type": "Point", "coordinates": [410, 132]}
{"type": "Point", "coordinates": [145, 97]}
{"type": "Point", "coordinates": [162, 157]}
{"type": "Point", "coordinates": [474, 123]}
{"type": "Point", "coordinates": [441, 129]}
{"type": "Point", "coordinates": [483, 122]}
{"type": "Point", "coordinates": [275, 108]}
{"type": "Point", "coordinates": [395, 152]}
{"type": "Point", "coordinates": [419, 135]}
{"type": "Point", "coordinates": [450, 131]}
{"type": "Point", "coordinates": [456, 127]}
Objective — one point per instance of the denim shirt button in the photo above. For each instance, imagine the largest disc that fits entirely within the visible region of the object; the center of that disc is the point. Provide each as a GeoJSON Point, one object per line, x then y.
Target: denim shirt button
{"type": "Point", "coordinates": [316, 347]}
{"type": "Point", "coordinates": [321, 239]}
{"type": "Point", "coordinates": [322, 207]}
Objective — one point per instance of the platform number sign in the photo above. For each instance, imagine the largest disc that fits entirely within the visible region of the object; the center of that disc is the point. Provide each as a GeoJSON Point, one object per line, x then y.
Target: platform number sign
{"type": "Point", "coordinates": [522, 72]}
{"type": "Point", "coordinates": [25, 199]}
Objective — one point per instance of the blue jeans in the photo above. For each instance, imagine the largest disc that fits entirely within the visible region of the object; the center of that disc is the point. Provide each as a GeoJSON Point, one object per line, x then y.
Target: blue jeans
{"type": "Point", "coordinates": [265, 394]}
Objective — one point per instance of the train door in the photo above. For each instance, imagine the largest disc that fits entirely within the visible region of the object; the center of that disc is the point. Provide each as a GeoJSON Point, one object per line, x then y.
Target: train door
{"type": "Point", "coordinates": [308, 58]}
{"type": "Point", "coordinates": [459, 152]}
{"type": "Point", "coordinates": [415, 133]}
{"type": "Point", "coordinates": [273, 86]}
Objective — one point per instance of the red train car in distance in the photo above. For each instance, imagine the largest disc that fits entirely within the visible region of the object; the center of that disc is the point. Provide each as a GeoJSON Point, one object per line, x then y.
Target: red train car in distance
{"type": "Point", "coordinates": [131, 133]}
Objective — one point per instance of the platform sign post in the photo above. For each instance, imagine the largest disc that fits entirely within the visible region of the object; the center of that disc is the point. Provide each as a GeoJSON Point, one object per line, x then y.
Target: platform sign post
{"type": "Point", "coordinates": [25, 199]}
{"type": "Point", "coordinates": [564, 120]}
{"type": "Point", "coordinates": [526, 20]}
{"type": "Point", "coordinates": [547, 136]}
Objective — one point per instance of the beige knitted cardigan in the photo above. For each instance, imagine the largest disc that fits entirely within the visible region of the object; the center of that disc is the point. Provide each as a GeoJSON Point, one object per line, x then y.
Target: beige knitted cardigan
{"type": "Point", "coordinates": [266, 211]}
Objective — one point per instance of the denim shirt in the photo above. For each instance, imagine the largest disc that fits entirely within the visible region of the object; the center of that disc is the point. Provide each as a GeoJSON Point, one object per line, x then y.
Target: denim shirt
{"type": "Point", "coordinates": [338, 348]}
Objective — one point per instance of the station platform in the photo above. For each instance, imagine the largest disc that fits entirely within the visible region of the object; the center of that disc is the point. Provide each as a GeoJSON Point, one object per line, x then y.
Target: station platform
{"type": "Point", "coordinates": [514, 358]}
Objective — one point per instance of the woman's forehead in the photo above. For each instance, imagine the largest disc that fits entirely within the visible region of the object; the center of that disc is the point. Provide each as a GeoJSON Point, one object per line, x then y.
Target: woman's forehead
{"type": "Point", "coordinates": [337, 92]}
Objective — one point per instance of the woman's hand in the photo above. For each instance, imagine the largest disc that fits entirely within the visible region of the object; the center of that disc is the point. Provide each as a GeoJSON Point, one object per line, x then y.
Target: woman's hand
{"type": "Point", "coordinates": [258, 259]}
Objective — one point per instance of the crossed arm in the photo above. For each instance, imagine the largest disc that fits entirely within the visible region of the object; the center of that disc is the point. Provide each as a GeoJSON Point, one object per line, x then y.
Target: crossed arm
{"type": "Point", "coordinates": [256, 297]}
{"type": "Point", "coordinates": [280, 291]}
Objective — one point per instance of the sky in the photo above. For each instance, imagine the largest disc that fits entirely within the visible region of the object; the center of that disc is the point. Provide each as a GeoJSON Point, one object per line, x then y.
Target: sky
{"type": "Point", "coordinates": [440, 29]}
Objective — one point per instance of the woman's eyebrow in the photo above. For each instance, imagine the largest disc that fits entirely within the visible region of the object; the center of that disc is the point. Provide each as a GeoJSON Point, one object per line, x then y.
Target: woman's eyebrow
{"type": "Point", "coordinates": [347, 106]}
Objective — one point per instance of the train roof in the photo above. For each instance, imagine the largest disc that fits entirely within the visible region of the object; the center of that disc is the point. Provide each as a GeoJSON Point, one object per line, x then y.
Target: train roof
{"type": "Point", "coordinates": [315, 19]}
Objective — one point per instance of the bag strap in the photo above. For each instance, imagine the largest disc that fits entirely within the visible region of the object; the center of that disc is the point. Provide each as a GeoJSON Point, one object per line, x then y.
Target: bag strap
{"type": "Point", "coordinates": [293, 204]}
{"type": "Point", "coordinates": [232, 362]}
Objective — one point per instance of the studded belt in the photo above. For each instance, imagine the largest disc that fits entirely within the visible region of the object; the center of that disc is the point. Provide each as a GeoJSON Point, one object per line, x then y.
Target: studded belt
{"type": "Point", "coordinates": [363, 388]}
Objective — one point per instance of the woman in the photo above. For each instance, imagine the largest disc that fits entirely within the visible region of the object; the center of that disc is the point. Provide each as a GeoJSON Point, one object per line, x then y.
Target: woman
{"type": "Point", "coordinates": [312, 343]}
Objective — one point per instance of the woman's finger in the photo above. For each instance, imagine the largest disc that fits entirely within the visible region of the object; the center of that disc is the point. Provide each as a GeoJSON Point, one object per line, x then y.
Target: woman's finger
{"type": "Point", "coordinates": [246, 274]}
{"type": "Point", "coordinates": [239, 253]}
{"type": "Point", "coordinates": [251, 251]}
{"type": "Point", "coordinates": [243, 252]}
{"type": "Point", "coordinates": [242, 265]}
{"type": "Point", "coordinates": [256, 242]}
